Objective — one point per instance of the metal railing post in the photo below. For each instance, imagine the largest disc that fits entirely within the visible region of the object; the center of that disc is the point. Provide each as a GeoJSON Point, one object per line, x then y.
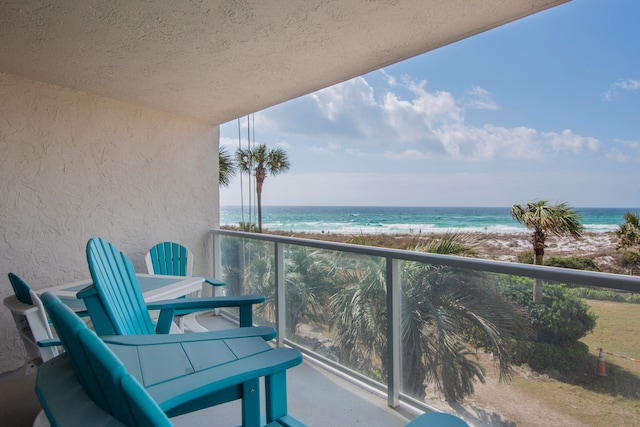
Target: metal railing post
{"type": "Point", "coordinates": [217, 264]}
{"type": "Point", "coordinates": [393, 330]}
{"type": "Point", "coordinates": [281, 308]}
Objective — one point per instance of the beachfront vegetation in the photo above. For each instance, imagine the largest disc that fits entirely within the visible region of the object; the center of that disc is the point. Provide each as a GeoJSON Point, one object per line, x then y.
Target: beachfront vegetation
{"type": "Point", "coordinates": [345, 295]}
{"type": "Point", "coordinates": [226, 167]}
{"type": "Point", "coordinates": [260, 162]}
{"type": "Point", "coordinates": [560, 319]}
{"type": "Point", "coordinates": [319, 282]}
{"type": "Point", "coordinates": [629, 239]}
{"type": "Point", "coordinates": [574, 262]}
{"type": "Point", "coordinates": [629, 231]}
{"type": "Point", "coordinates": [440, 306]}
{"type": "Point", "coordinates": [544, 220]}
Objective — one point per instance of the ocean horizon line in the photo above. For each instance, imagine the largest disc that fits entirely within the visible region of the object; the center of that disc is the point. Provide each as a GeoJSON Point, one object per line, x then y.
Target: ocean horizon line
{"type": "Point", "coordinates": [421, 206]}
{"type": "Point", "coordinates": [403, 219]}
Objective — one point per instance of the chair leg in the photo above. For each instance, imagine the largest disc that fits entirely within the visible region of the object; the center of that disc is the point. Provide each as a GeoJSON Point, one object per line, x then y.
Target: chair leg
{"type": "Point", "coordinates": [276, 396]}
{"type": "Point", "coordinates": [251, 403]}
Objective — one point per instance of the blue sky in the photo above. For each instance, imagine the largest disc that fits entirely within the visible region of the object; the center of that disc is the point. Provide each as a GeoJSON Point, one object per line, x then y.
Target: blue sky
{"type": "Point", "coordinates": [547, 107]}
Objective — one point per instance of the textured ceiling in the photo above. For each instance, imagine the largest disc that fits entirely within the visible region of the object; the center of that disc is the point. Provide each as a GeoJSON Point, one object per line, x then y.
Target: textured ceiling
{"type": "Point", "coordinates": [218, 60]}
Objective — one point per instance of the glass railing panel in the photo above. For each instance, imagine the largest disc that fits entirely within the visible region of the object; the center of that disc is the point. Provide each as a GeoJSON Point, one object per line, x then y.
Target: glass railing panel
{"type": "Point", "coordinates": [559, 370]}
{"type": "Point", "coordinates": [248, 267]}
{"type": "Point", "coordinates": [448, 316]}
{"type": "Point", "coordinates": [336, 307]}
{"type": "Point", "coordinates": [571, 359]}
{"type": "Point", "coordinates": [556, 375]}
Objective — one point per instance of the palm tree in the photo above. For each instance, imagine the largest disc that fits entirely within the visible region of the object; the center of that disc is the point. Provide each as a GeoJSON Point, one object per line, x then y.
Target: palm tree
{"type": "Point", "coordinates": [629, 231]}
{"type": "Point", "coordinates": [226, 167]}
{"type": "Point", "coordinates": [305, 283]}
{"type": "Point", "coordinates": [442, 307]}
{"type": "Point", "coordinates": [545, 219]}
{"type": "Point", "coordinates": [262, 162]}
{"type": "Point", "coordinates": [629, 235]}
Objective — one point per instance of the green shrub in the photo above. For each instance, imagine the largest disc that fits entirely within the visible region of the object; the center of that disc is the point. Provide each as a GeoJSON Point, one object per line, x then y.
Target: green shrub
{"type": "Point", "coordinates": [248, 227]}
{"type": "Point", "coordinates": [631, 260]}
{"type": "Point", "coordinates": [525, 257]}
{"type": "Point", "coordinates": [575, 262]}
{"type": "Point", "coordinates": [559, 319]}
{"type": "Point", "coordinates": [542, 356]}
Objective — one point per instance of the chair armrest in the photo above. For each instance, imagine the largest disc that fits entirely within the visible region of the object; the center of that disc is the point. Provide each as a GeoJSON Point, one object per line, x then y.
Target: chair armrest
{"type": "Point", "coordinates": [213, 282]}
{"type": "Point", "coordinates": [199, 304]}
{"type": "Point", "coordinates": [267, 333]}
{"type": "Point", "coordinates": [52, 342]}
{"type": "Point", "coordinates": [169, 308]}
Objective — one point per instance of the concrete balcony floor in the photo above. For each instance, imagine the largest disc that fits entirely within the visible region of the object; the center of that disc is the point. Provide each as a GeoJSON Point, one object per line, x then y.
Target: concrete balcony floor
{"type": "Point", "coordinates": [315, 396]}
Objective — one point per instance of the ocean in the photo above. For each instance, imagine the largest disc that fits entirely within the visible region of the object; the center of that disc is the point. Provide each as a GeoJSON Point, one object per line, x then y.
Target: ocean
{"type": "Point", "coordinates": [403, 220]}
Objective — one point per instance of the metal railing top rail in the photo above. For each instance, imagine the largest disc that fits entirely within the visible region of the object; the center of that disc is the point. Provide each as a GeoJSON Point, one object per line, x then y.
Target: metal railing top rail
{"type": "Point", "coordinates": [578, 277]}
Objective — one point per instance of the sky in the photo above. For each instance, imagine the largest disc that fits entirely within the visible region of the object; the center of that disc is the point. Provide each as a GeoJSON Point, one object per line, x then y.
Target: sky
{"type": "Point", "coordinates": [543, 108]}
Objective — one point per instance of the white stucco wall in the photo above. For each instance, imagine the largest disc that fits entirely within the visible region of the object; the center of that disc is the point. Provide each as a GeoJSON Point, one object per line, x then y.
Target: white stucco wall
{"type": "Point", "coordinates": [74, 165]}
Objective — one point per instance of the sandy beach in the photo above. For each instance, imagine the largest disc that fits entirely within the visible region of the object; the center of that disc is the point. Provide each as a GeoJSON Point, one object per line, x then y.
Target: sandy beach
{"type": "Point", "coordinates": [600, 247]}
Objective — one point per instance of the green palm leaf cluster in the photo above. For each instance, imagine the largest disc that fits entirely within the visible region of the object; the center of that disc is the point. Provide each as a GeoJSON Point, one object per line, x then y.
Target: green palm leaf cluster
{"type": "Point", "coordinates": [442, 308]}
{"type": "Point", "coordinates": [226, 167]}
{"type": "Point", "coordinates": [544, 220]}
{"type": "Point", "coordinates": [259, 162]}
{"type": "Point", "coordinates": [629, 231]}
{"type": "Point", "coordinates": [262, 162]}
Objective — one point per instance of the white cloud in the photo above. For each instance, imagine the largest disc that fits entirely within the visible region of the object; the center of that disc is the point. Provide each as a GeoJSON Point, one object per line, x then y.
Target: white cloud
{"type": "Point", "coordinates": [568, 141]}
{"type": "Point", "coordinates": [406, 155]}
{"type": "Point", "coordinates": [480, 98]}
{"type": "Point", "coordinates": [627, 85]}
{"type": "Point", "coordinates": [391, 80]}
{"type": "Point", "coordinates": [411, 118]}
{"type": "Point", "coordinates": [624, 151]}
{"type": "Point", "coordinates": [318, 149]}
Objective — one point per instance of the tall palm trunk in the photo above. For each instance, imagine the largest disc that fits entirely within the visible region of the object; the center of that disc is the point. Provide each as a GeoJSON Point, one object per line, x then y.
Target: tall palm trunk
{"type": "Point", "coordinates": [538, 252]}
{"type": "Point", "coordinates": [259, 194]}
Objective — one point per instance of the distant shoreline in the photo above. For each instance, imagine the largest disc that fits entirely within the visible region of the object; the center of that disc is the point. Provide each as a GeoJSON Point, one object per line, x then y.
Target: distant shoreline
{"type": "Point", "coordinates": [404, 220]}
{"type": "Point", "coordinates": [599, 246]}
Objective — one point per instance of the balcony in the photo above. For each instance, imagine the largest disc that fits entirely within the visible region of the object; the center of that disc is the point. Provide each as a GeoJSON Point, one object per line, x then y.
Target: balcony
{"type": "Point", "coordinates": [331, 388]}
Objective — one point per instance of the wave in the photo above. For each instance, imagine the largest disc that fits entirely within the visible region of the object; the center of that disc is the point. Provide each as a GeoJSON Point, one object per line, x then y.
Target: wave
{"type": "Point", "coordinates": [406, 220]}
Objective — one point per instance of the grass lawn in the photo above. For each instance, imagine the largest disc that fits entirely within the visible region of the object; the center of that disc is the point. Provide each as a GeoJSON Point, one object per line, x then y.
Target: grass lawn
{"type": "Point", "coordinates": [596, 401]}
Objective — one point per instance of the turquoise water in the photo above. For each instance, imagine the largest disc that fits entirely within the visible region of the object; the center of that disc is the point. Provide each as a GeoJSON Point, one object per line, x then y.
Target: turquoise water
{"type": "Point", "coordinates": [402, 220]}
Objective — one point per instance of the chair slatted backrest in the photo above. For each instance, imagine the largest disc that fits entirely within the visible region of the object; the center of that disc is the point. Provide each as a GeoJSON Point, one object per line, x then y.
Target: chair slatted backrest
{"type": "Point", "coordinates": [169, 258]}
{"type": "Point", "coordinates": [128, 400]}
{"type": "Point", "coordinates": [145, 410]}
{"type": "Point", "coordinates": [102, 375]}
{"type": "Point", "coordinates": [118, 287]}
{"type": "Point", "coordinates": [20, 288]}
{"type": "Point", "coordinates": [68, 325]}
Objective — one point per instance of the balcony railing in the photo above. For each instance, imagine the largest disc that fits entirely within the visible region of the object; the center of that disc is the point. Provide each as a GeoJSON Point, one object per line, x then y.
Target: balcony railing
{"type": "Point", "coordinates": [322, 297]}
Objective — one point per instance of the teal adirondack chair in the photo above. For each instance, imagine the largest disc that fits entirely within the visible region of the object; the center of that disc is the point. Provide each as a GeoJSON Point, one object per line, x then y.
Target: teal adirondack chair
{"type": "Point", "coordinates": [116, 305]}
{"type": "Point", "coordinates": [437, 419]}
{"type": "Point", "coordinates": [150, 378]}
{"type": "Point", "coordinates": [174, 259]}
